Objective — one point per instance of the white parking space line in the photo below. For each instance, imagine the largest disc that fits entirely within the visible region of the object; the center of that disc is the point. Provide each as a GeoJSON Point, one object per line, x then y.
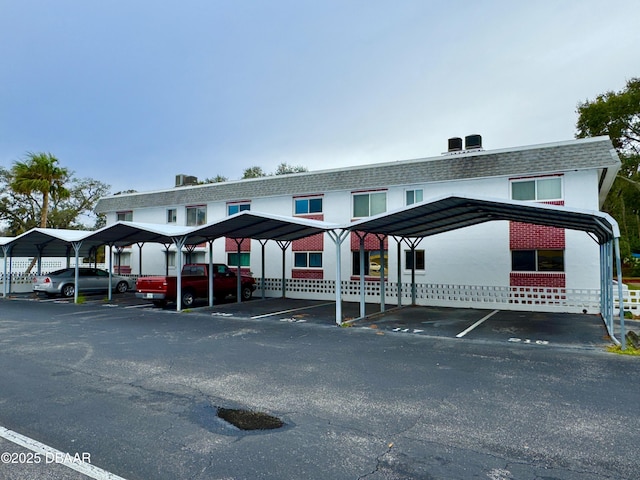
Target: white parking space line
{"type": "Point", "coordinates": [80, 461]}
{"type": "Point", "coordinates": [291, 310]}
{"type": "Point", "coordinates": [144, 305]}
{"type": "Point", "coordinates": [479, 322]}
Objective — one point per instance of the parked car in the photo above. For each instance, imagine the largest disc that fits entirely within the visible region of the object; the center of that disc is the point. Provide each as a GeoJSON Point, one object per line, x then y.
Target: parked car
{"type": "Point", "coordinates": [62, 282]}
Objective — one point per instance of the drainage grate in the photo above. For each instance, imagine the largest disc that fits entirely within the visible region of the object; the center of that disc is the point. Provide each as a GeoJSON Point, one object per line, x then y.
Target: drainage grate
{"type": "Point", "coordinates": [249, 420]}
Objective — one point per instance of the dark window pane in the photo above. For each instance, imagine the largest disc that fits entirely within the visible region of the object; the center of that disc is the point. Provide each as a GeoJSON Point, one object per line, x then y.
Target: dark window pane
{"type": "Point", "coordinates": [301, 207]}
{"type": "Point", "coordinates": [550, 260]}
{"type": "Point", "coordinates": [523, 260]}
{"type": "Point", "coordinates": [315, 260]}
{"type": "Point", "coordinates": [300, 260]}
{"type": "Point", "coordinates": [315, 205]}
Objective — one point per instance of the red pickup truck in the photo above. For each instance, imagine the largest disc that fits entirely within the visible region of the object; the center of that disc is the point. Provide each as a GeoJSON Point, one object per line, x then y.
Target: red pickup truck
{"type": "Point", "coordinates": [195, 284]}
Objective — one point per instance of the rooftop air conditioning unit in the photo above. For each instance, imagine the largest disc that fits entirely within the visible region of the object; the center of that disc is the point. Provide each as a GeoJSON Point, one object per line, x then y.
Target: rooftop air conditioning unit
{"type": "Point", "coordinates": [184, 180]}
{"type": "Point", "coordinates": [473, 142]}
{"type": "Point", "coordinates": [455, 144]}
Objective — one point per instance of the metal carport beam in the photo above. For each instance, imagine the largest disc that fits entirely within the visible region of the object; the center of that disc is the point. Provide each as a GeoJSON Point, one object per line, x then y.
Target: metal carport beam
{"type": "Point", "coordinates": [338, 238]}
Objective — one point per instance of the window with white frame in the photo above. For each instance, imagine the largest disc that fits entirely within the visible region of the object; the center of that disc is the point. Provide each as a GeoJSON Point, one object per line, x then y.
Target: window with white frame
{"type": "Point", "coordinates": [368, 204]}
{"type": "Point", "coordinates": [196, 215]}
{"type": "Point", "coordinates": [233, 208]}
{"type": "Point", "coordinates": [172, 215]}
{"type": "Point", "coordinates": [537, 260]}
{"type": "Point", "coordinates": [171, 259]}
{"type": "Point", "coordinates": [305, 206]}
{"type": "Point", "coordinates": [124, 216]}
{"type": "Point", "coordinates": [307, 259]}
{"type": "Point", "coordinates": [416, 259]}
{"type": "Point", "coordinates": [413, 196]}
{"type": "Point", "coordinates": [538, 189]}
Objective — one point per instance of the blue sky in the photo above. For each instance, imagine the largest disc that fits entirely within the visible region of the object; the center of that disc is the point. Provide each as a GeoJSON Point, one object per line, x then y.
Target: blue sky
{"type": "Point", "coordinates": [133, 92]}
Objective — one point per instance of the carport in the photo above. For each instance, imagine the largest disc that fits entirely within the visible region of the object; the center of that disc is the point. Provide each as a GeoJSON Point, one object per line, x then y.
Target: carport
{"type": "Point", "coordinates": [446, 213]}
{"type": "Point", "coordinates": [257, 226]}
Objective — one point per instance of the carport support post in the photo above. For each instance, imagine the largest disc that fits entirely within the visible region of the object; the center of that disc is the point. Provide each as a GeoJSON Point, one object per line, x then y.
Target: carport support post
{"type": "Point", "coordinates": [6, 251]}
{"type": "Point", "coordinates": [140, 245]}
{"type": "Point", "coordinates": [283, 246]}
{"type": "Point", "coordinates": [363, 311]}
{"type": "Point", "coordinates": [623, 339]}
{"type": "Point", "coordinates": [262, 261]}
{"type": "Point", "coordinates": [40, 248]}
{"type": "Point", "coordinates": [179, 243]}
{"type": "Point", "coordinates": [76, 247]}
{"type": "Point", "coordinates": [238, 273]}
{"type": "Point", "coordinates": [110, 270]}
{"type": "Point", "coordinates": [399, 269]}
{"type": "Point", "coordinates": [382, 289]}
{"type": "Point", "coordinates": [338, 238]}
{"type": "Point", "coordinates": [211, 273]}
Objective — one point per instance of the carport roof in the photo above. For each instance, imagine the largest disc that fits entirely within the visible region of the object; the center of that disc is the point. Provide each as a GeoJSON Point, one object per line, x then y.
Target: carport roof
{"type": "Point", "coordinates": [260, 226]}
{"type": "Point", "coordinates": [126, 233]}
{"type": "Point", "coordinates": [53, 242]}
{"type": "Point", "coordinates": [451, 212]}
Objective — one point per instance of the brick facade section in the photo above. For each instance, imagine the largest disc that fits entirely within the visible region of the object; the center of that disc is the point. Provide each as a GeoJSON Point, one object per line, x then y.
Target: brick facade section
{"type": "Point", "coordinates": [313, 243]}
{"type": "Point", "coordinates": [526, 236]}
{"type": "Point", "coordinates": [310, 274]}
{"type": "Point", "coordinates": [522, 279]}
{"type": "Point", "coordinates": [371, 242]}
{"type": "Point", "coordinates": [231, 246]}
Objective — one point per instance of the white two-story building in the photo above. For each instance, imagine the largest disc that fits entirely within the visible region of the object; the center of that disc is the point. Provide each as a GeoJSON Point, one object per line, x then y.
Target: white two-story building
{"type": "Point", "coordinates": [497, 255]}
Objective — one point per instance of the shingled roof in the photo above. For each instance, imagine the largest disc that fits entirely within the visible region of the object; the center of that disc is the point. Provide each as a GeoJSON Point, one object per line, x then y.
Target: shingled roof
{"type": "Point", "coordinates": [592, 153]}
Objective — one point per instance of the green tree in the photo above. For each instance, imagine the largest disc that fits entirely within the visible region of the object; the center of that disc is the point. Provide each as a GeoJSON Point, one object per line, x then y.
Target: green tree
{"type": "Point", "coordinates": [285, 168]}
{"type": "Point", "coordinates": [253, 172]}
{"type": "Point", "coordinates": [70, 204]}
{"type": "Point", "coordinates": [216, 179]}
{"type": "Point", "coordinates": [40, 173]}
{"type": "Point", "coordinates": [617, 114]}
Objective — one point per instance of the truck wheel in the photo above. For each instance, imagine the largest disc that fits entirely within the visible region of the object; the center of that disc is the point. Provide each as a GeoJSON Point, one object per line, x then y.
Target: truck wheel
{"type": "Point", "coordinates": [68, 290]}
{"type": "Point", "coordinates": [247, 293]}
{"type": "Point", "coordinates": [160, 303]}
{"type": "Point", "coordinates": [187, 298]}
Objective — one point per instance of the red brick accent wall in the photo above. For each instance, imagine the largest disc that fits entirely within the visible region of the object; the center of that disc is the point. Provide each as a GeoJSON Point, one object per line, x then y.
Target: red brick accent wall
{"type": "Point", "coordinates": [371, 242]}
{"type": "Point", "coordinates": [231, 246]}
{"type": "Point", "coordinates": [312, 216]}
{"type": "Point", "coordinates": [522, 279]}
{"type": "Point", "coordinates": [313, 274]}
{"type": "Point", "coordinates": [526, 236]}
{"type": "Point", "coordinates": [314, 243]}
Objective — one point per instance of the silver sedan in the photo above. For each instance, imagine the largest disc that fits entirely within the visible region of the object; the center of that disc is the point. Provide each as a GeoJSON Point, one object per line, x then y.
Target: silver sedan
{"type": "Point", "coordinates": [62, 282]}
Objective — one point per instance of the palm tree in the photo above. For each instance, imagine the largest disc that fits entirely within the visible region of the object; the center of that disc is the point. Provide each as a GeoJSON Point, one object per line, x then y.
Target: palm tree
{"type": "Point", "coordinates": [40, 173]}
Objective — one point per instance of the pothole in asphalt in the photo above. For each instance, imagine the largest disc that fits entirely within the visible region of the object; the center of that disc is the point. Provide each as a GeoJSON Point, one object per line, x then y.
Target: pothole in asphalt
{"type": "Point", "coordinates": [249, 420]}
{"type": "Point", "coordinates": [235, 421]}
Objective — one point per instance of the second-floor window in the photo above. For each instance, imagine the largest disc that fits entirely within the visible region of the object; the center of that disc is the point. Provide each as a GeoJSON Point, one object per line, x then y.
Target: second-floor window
{"type": "Point", "coordinates": [538, 189]}
{"type": "Point", "coordinates": [234, 208]}
{"type": "Point", "coordinates": [124, 216]}
{"type": "Point", "coordinates": [413, 196]}
{"type": "Point", "coordinates": [368, 204]}
{"type": "Point", "coordinates": [304, 206]}
{"type": "Point", "coordinates": [196, 215]}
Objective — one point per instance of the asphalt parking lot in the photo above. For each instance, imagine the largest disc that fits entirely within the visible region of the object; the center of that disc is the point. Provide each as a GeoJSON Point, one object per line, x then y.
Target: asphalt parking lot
{"type": "Point", "coordinates": [137, 389]}
{"type": "Point", "coordinates": [528, 328]}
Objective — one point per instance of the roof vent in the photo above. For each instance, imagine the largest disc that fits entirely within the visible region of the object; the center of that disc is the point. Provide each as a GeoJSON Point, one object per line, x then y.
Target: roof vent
{"type": "Point", "coordinates": [184, 180]}
{"type": "Point", "coordinates": [473, 142]}
{"type": "Point", "coordinates": [455, 144]}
